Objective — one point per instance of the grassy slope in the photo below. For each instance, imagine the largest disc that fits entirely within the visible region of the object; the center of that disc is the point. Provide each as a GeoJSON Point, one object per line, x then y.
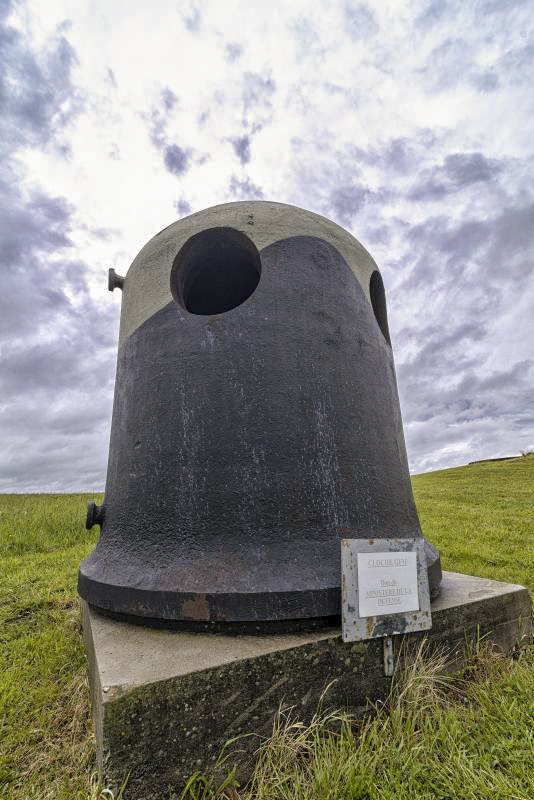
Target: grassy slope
{"type": "Point", "coordinates": [480, 517]}
{"type": "Point", "coordinates": [45, 743]}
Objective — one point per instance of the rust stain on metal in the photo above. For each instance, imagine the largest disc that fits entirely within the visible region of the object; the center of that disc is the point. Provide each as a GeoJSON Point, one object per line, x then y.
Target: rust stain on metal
{"type": "Point", "coordinates": [197, 608]}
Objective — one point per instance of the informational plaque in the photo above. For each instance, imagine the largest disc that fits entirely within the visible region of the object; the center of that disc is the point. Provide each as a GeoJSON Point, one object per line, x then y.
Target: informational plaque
{"type": "Point", "coordinates": [387, 583]}
{"type": "Point", "coordinates": [384, 588]}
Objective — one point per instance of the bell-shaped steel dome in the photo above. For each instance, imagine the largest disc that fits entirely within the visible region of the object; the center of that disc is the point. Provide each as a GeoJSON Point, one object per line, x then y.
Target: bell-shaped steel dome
{"type": "Point", "coordinates": [256, 422]}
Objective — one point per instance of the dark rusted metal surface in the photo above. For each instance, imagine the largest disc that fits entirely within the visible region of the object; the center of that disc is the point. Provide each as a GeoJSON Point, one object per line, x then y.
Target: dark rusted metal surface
{"type": "Point", "coordinates": [95, 515]}
{"type": "Point", "coordinates": [246, 444]}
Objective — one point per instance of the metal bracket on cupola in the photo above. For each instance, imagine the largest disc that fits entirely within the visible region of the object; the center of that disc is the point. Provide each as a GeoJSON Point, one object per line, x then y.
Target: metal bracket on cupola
{"type": "Point", "coordinates": [115, 281]}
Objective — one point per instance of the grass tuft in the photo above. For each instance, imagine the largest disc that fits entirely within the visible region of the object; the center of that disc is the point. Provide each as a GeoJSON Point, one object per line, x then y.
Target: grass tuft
{"type": "Point", "coordinates": [433, 738]}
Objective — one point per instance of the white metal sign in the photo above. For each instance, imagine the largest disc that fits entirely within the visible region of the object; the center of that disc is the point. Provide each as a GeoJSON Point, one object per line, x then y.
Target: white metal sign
{"type": "Point", "coordinates": [387, 583]}
{"type": "Point", "coordinates": [384, 588]}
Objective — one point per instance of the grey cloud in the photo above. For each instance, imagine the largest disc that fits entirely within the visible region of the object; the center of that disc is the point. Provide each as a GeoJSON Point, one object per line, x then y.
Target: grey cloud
{"type": "Point", "coordinates": [74, 272]}
{"type": "Point", "coordinates": [347, 201]}
{"type": "Point", "coordinates": [465, 275]}
{"type": "Point", "coordinates": [54, 337]}
{"type": "Point", "coordinates": [491, 243]}
{"type": "Point", "coordinates": [244, 189]}
{"type": "Point", "coordinates": [104, 234]}
{"type": "Point", "coordinates": [473, 331]}
{"type": "Point", "coordinates": [442, 261]}
{"type": "Point", "coordinates": [486, 81]}
{"type": "Point", "coordinates": [517, 64]}
{"type": "Point", "coordinates": [55, 340]}
{"type": "Point", "coordinates": [308, 40]}
{"type": "Point", "coordinates": [499, 395]}
{"type": "Point", "coordinates": [55, 441]}
{"type": "Point", "coordinates": [6, 7]}
{"type": "Point", "coordinates": [454, 409]}
{"type": "Point", "coordinates": [37, 273]}
{"type": "Point", "coordinates": [182, 207]}
{"type": "Point", "coordinates": [176, 159]}
{"type": "Point", "coordinates": [241, 145]}
{"type": "Point", "coordinates": [59, 418]}
{"type": "Point", "coordinates": [443, 250]}
{"type": "Point", "coordinates": [37, 363]}
{"type": "Point", "coordinates": [359, 20]}
{"type": "Point", "coordinates": [257, 90]}
{"type": "Point", "coordinates": [352, 95]}
{"type": "Point", "coordinates": [505, 379]}
{"type": "Point", "coordinates": [498, 6]}
{"type": "Point", "coordinates": [48, 366]}
{"type": "Point", "coordinates": [436, 11]}
{"type": "Point", "coordinates": [398, 155]}
{"type": "Point", "coordinates": [37, 95]}
{"type": "Point", "coordinates": [466, 168]}
{"type": "Point", "coordinates": [464, 241]}
{"type": "Point", "coordinates": [436, 341]}
{"type": "Point", "coordinates": [335, 185]}
{"type": "Point", "coordinates": [233, 52]}
{"type": "Point", "coordinates": [169, 98]}
{"type": "Point", "coordinates": [37, 226]}
{"type": "Point", "coordinates": [192, 19]}
{"type": "Point", "coordinates": [454, 62]}
{"type": "Point", "coordinates": [380, 234]}
{"type": "Point", "coordinates": [110, 76]}
{"type": "Point", "coordinates": [512, 242]}
{"type": "Point", "coordinates": [157, 128]}
{"type": "Point", "coordinates": [449, 64]}
{"type": "Point", "coordinates": [458, 170]}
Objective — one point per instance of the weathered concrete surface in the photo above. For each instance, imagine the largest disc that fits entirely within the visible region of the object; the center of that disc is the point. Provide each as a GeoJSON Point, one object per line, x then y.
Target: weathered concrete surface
{"type": "Point", "coordinates": [164, 702]}
{"type": "Point", "coordinates": [146, 286]}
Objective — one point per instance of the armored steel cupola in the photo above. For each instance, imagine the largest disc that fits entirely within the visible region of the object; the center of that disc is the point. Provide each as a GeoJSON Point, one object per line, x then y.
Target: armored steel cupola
{"type": "Point", "coordinates": [256, 422]}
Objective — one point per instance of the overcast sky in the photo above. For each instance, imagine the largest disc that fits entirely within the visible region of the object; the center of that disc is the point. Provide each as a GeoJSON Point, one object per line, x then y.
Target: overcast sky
{"type": "Point", "coordinates": [409, 123]}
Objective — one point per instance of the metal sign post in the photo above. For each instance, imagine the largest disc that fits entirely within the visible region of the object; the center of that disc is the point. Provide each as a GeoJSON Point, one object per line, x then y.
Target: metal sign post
{"type": "Point", "coordinates": [389, 661]}
{"type": "Point", "coordinates": [384, 591]}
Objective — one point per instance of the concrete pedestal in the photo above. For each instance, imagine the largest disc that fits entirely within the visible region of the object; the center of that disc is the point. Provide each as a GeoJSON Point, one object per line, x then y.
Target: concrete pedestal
{"type": "Point", "coordinates": [165, 702]}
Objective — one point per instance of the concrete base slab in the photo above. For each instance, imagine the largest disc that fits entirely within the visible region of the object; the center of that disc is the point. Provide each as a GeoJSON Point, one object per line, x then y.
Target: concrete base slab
{"type": "Point", "coordinates": [164, 702]}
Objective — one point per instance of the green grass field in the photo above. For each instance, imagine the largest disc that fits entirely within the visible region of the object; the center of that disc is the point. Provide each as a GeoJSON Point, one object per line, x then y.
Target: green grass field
{"type": "Point", "coordinates": [472, 740]}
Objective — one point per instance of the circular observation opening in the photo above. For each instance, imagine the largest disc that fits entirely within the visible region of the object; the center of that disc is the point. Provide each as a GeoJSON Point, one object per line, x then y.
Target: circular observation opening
{"type": "Point", "coordinates": [378, 302]}
{"type": "Point", "coordinates": [215, 270]}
